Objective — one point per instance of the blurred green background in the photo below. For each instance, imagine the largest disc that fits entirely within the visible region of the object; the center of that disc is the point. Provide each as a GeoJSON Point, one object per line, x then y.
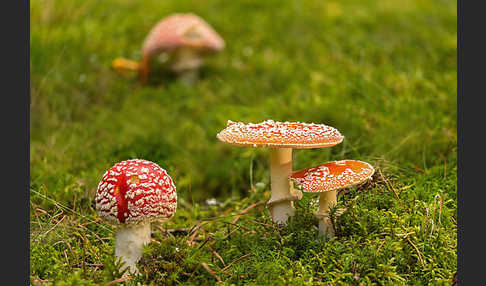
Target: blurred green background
{"type": "Point", "coordinates": [381, 72]}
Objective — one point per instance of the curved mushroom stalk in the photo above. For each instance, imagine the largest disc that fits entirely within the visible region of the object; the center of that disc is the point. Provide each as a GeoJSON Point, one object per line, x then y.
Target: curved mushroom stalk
{"type": "Point", "coordinates": [122, 66]}
{"type": "Point", "coordinates": [130, 240]}
{"type": "Point", "coordinates": [283, 193]}
{"type": "Point", "coordinates": [144, 69]}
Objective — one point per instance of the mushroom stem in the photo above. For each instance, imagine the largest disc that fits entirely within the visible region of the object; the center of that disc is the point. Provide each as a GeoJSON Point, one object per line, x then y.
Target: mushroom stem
{"type": "Point", "coordinates": [144, 68]}
{"type": "Point", "coordinates": [283, 193]}
{"type": "Point", "coordinates": [130, 240]}
{"type": "Point", "coordinates": [326, 201]}
{"type": "Point", "coordinates": [185, 63]}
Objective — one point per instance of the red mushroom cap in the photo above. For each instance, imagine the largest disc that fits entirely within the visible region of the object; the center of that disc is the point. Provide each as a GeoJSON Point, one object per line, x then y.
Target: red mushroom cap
{"type": "Point", "coordinates": [280, 134]}
{"type": "Point", "coordinates": [182, 30]}
{"type": "Point", "coordinates": [136, 190]}
{"type": "Point", "coordinates": [332, 175]}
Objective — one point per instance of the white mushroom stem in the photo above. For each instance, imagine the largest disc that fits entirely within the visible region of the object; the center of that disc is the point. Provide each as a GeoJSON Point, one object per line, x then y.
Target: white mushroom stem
{"type": "Point", "coordinates": [326, 201]}
{"type": "Point", "coordinates": [130, 240]}
{"type": "Point", "coordinates": [185, 63]}
{"type": "Point", "coordinates": [283, 193]}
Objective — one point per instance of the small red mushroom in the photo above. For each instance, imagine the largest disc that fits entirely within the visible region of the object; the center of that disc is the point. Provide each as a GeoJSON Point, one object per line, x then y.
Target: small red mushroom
{"type": "Point", "coordinates": [132, 194]}
{"type": "Point", "coordinates": [327, 179]}
{"type": "Point", "coordinates": [186, 38]}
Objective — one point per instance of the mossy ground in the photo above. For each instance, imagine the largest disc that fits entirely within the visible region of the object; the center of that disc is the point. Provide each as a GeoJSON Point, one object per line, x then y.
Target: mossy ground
{"type": "Point", "coordinates": [382, 72]}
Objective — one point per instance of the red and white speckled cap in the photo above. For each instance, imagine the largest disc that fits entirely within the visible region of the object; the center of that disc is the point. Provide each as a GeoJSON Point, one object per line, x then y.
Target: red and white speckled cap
{"type": "Point", "coordinates": [182, 30]}
{"type": "Point", "coordinates": [280, 134]}
{"type": "Point", "coordinates": [332, 175]}
{"type": "Point", "coordinates": [136, 191]}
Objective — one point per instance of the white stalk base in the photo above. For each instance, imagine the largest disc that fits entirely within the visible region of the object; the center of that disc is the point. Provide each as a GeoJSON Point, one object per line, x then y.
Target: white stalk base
{"type": "Point", "coordinates": [283, 193]}
{"type": "Point", "coordinates": [281, 211]}
{"type": "Point", "coordinates": [129, 243]}
{"type": "Point", "coordinates": [325, 227]}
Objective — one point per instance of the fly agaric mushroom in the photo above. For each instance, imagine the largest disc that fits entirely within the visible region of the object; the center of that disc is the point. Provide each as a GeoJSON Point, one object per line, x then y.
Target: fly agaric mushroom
{"type": "Point", "coordinates": [186, 38]}
{"type": "Point", "coordinates": [280, 137]}
{"type": "Point", "coordinates": [327, 179]}
{"type": "Point", "coordinates": [132, 194]}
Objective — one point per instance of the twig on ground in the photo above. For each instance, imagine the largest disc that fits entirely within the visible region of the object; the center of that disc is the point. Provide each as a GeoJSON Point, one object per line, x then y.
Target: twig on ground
{"type": "Point", "coordinates": [206, 267]}
{"type": "Point", "coordinates": [234, 261]}
{"type": "Point", "coordinates": [39, 282]}
{"type": "Point", "coordinates": [217, 255]}
{"type": "Point", "coordinates": [238, 226]}
{"type": "Point", "coordinates": [63, 207]}
{"type": "Point", "coordinates": [418, 169]}
{"type": "Point", "coordinates": [93, 265]}
{"type": "Point", "coordinates": [193, 231]}
{"type": "Point", "coordinates": [193, 236]}
{"type": "Point", "coordinates": [265, 224]}
{"type": "Point", "coordinates": [229, 233]}
{"type": "Point", "coordinates": [67, 260]}
{"type": "Point", "coordinates": [83, 252]}
{"type": "Point", "coordinates": [246, 211]}
{"type": "Point", "coordinates": [227, 273]}
{"type": "Point", "coordinates": [123, 279]}
{"type": "Point", "coordinates": [186, 274]}
{"type": "Point", "coordinates": [379, 247]}
{"type": "Point", "coordinates": [441, 202]}
{"type": "Point", "coordinates": [417, 250]}
{"type": "Point", "coordinates": [41, 211]}
{"type": "Point", "coordinates": [92, 232]}
{"type": "Point", "coordinates": [390, 186]}
{"type": "Point", "coordinates": [45, 233]}
{"type": "Point", "coordinates": [205, 241]}
{"type": "Point", "coordinates": [56, 215]}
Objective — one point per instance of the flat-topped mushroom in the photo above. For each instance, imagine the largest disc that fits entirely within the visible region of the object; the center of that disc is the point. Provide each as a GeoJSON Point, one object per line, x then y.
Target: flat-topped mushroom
{"type": "Point", "coordinates": [132, 194]}
{"type": "Point", "coordinates": [280, 137]}
{"type": "Point", "coordinates": [327, 179]}
{"type": "Point", "coordinates": [186, 38]}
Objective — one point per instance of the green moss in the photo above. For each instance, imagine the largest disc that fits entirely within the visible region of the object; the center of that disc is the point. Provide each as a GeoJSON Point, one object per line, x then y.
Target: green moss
{"type": "Point", "coordinates": [382, 72]}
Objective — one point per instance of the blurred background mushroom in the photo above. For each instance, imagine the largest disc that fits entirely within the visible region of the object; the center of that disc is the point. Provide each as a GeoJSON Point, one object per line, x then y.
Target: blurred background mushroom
{"type": "Point", "coordinates": [280, 137]}
{"type": "Point", "coordinates": [327, 179]}
{"type": "Point", "coordinates": [132, 194]}
{"type": "Point", "coordinates": [185, 38]}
